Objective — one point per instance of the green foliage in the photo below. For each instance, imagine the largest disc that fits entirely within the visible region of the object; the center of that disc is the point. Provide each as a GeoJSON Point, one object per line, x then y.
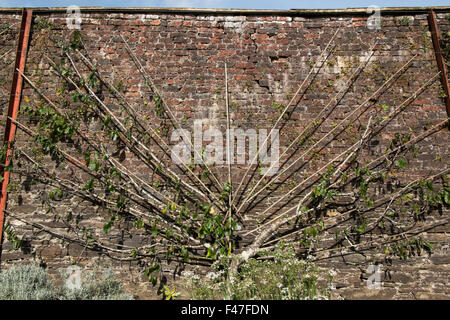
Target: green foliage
{"type": "Point", "coordinates": [445, 45]}
{"type": "Point", "coordinates": [407, 248]}
{"type": "Point", "coordinates": [13, 237]}
{"type": "Point", "coordinates": [216, 229]}
{"type": "Point", "coordinates": [4, 26]}
{"type": "Point", "coordinates": [75, 41]}
{"type": "Point", "coordinates": [43, 24]}
{"type": "Point", "coordinates": [151, 272]}
{"type": "Point", "coordinates": [159, 107]}
{"type": "Point", "coordinates": [53, 127]}
{"type": "Point", "coordinates": [280, 276]}
{"type": "Point", "coordinates": [404, 20]}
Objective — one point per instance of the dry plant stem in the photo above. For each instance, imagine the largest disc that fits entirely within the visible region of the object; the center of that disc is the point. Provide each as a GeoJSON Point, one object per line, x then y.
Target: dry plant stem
{"type": "Point", "coordinates": [380, 202]}
{"type": "Point", "coordinates": [80, 240]}
{"type": "Point", "coordinates": [412, 97]}
{"type": "Point", "coordinates": [65, 236]}
{"type": "Point", "coordinates": [116, 163]}
{"type": "Point", "coordinates": [8, 28]}
{"type": "Point", "coordinates": [434, 129]}
{"type": "Point", "coordinates": [175, 177]}
{"type": "Point", "coordinates": [274, 227]}
{"type": "Point", "coordinates": [66, 155]}
{"type": "Point", "coordinates": [189, 186]}
{"type": "Point", "coordinates": [57, 110]}
{"type": "Point", "coordinates": [167, 108]}
{"type": "Point", "coordinates": [420, 137]}
{"type": "Point", "coordinates": [356, 247]}
{"type": "Point", "coordinates": [228, 143]}
{"type": "Point", "coordinates": [351, 154]}
{"type": "Point", "coordinates": [132, 176]}
{"type": "Point", "coordinates": [70, 185]}
{"type": "Point", "coordinates": [109, 158]}
{"type": "Point", "coordinates": [284, 111]}
{"type": "Point", "coordinates": [71, 159]}
{"type": "Point", "coordinates": [250, 195]}
{"type": "Point", "coordinates": [274, 224]}
{"type": "Point", "coordinates": [266, 234]}
{"type": "Point", "coordinates": [374, 244]}
{"type": "Point", "coordinates": [96, 244]}
{"type": "Point", "coordinates": [275, 178]}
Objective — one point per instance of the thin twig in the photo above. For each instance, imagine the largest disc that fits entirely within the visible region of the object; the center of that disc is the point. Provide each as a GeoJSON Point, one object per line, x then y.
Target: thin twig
{"type": "Point", "coordinates": [284, 111]}
{"type": "Point", "coordinates": [279, 174]}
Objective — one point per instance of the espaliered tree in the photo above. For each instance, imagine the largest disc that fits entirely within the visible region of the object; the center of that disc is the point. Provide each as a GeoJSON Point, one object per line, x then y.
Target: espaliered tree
{"type": "Point", "coordinates": [81, 140]}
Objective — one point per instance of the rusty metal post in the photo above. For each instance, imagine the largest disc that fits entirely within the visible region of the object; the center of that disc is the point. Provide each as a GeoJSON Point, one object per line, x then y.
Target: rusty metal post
{"type": "Point", "coordinates": [435, 34]}
{"type": "Point", "coordinates": [13, 109]}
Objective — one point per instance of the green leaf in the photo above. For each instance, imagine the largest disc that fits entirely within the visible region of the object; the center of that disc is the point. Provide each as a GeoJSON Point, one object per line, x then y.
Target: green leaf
{"type": "Point", "coordinates": [153, 279]}
{"type": "Point", "coordinates": [185, 254]}
{"type": "Point", "coordinates": [154, 230]}
{"type": "Point", "coordinates": [120, 202]}
{"type": "Point", "coordinates": [428, 245]}
{"type": "Point", "coordinates": [90, 185]}
{"type": "Point", "coordinates": [139, 223]}
{"type": "Point", "coordinates": [401, 163]}
{"type": "Point", "coordinates": [321, 224]}
{"type": "Point", "coordinates": [313, 231]}
{"type": "Point", "coordinates": [94, 166]}
{"type": "Point", "coordinates": [447, 197]}
{"type": "Point", "coordinates": [390, 214]}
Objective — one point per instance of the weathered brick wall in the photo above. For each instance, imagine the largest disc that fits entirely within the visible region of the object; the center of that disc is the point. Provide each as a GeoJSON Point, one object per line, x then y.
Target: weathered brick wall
{"type": "Point", "coordinates": [268, 57]}
{"type": "Point", "coordinates": [10, 25]}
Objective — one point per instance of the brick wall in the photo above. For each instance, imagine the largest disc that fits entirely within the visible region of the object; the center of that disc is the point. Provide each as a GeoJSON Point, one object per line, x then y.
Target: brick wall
{"type": "Point", "coordinates": [268, 57]}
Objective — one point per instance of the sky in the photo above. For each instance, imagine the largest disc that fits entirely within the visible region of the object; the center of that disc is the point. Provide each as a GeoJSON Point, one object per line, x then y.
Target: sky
{"type": "Point", "coordinates": [228, 4]}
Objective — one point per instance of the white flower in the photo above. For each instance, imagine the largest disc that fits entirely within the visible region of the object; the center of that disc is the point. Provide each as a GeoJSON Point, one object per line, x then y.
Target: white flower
{"type": "Point", "coordinates": [245, 255]}
{"type": "Point", "coordinates": [186, 274]}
